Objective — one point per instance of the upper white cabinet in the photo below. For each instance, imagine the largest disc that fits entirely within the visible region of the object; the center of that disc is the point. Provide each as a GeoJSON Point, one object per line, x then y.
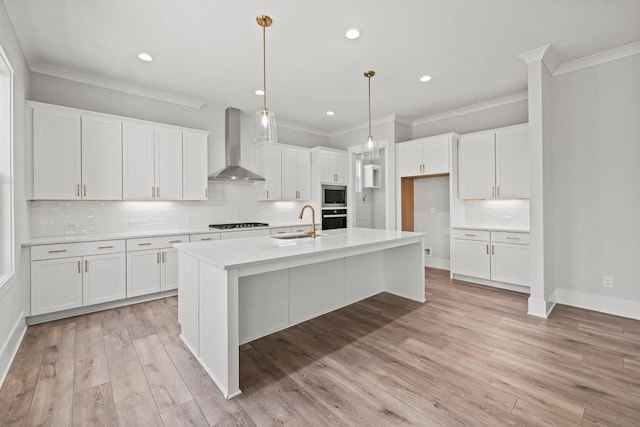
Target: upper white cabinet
{"type": "Point", "coordinates": [494, 164]}
{"type": "Point", "coordinates": [286, 170]}
{"type": "Point", "coordinates": [101, 158]}
{"type": "Point", "coordinates": [194, 166]}
{"type": "Point", "coordinates": [92, 156]}
{"type": "Point", "coordinates": [427, 156]}
{"type": "Point", "coordinates": [333, 166]}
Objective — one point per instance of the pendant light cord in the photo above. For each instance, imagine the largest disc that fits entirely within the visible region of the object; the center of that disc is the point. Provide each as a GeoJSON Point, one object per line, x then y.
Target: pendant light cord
{"type": "Point", "coordinates": [369, 79]}
{"type": "Point", "coordinates": [264, 66]}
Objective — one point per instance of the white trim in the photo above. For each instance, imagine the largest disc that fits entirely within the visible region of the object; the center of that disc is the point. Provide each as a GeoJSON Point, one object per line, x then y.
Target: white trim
{"type": "Point", "coordinates": [301, 128]}
{"type": "Point", "coordinates": [11, 346]}
{"type": "Point", "coordinates": [492, 283]}
{"type": "Point", "coordinates": [10, 274]}
{"type": "Point", "coordinates": [379, 121]}
{"type": "Point", "coordinates": [439, 263]}
{"type": "Point", "coordinates": [505, 100]}
{"type": "Point", "coordinates": [601, 303]}
{"type": "Point", "coordinates": [78, 76]}
{"type": "Point", "coordinates": [598, 58]}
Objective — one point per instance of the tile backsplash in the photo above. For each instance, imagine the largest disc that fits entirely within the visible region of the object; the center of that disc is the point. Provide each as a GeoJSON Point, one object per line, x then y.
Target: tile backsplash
{"type": "Point", "coordinates": [503, 213]}
{"type": "Point", "coordinates": [228, 202]}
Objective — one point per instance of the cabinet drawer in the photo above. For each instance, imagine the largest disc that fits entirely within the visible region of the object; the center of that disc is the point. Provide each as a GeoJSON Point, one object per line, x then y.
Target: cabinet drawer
{"type": "Point", "coordinates": [144, 244]}
{"type": "Point", "coordinates": [281, 230]}
{"type": "Point", "coordinates": [471, 235]}
{"type": "Point", "coordinates": [244, 233]}
{"type": "Point", "coordinates": [203, 237]}
{"type": "Point", "coordinates": [67, 250]}
{"type": "Point", "coordinates": [509, 237]}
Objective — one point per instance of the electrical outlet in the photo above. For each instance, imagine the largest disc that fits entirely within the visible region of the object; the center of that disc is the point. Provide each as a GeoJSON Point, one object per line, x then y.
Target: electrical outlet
{"type": "Point", "coordinates": [427, 251]}
{"type": "Point", "coordinates": [433, 210]}
{"type": "Point", "coordinates": [607, 281]}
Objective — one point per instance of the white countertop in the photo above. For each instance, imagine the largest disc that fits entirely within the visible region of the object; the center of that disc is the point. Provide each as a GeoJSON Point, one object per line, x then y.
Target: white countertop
{"type": "Point", "coordinates": [146, 233]}
{"type": "Point", "coordinates": [507, 228]}
{"type": "Point", "coordinates": [236, 253]}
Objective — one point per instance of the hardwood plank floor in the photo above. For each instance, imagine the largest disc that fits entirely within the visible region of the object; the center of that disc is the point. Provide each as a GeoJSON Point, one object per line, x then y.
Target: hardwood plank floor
{"type": "Point", "coordinates": [469, 356]}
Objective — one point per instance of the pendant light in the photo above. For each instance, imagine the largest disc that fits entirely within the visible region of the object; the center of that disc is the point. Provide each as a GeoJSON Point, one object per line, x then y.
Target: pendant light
{"type": "Point", "coordinates": [370, 149]}
{"type": "Point", "coordinates": [265, 123]}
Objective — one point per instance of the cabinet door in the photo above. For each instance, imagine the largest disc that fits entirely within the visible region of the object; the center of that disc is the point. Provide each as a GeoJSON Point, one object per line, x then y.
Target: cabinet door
{"type": "Point", "coordinates": [56, 285]}
{"type": "Point", "coordinates": [470, 258]}
{"type": "Point", "coordinates": [510, 263]}
{"type": "Point", "coordinates": [327, 173]}
{"type": "Point", "coordinates": [195, 181]}
{"type": "Point", "coordinates": [512, 163]}
{"type": "Point", "coordinates": [340, 167]}
{"type": "Point", "coordinates": [138, 162]}
{"type": "Point", "coordinates": [104, 278]}
{"type": "Point", "coordinates": [409, 156]}
{"type": "Point", "coordinates": [289, 180]}
{"type": "Point", "coordinates": [476, 166]}
{"type": "Point", "coordinates": [169, 267]}
{"type": "Point", "coordinates": [168, 175]}
{"type": "Point", "coordinates": [435, 156]}
{"type": "Point", "coordinates": [143, 272]}
{"type": "Point", "coordinates": [101, 158]}
{"type": "Point", "coordinates": [303, 174]}
{"type": "Point", "coordinates": [272, 172]}
{"type": "Point", "coordinates": [56, 154]}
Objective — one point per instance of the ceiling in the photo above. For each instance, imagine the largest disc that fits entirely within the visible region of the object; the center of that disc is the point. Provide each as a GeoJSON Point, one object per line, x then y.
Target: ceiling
{"type": "Point", "coordinates": [210, 51]}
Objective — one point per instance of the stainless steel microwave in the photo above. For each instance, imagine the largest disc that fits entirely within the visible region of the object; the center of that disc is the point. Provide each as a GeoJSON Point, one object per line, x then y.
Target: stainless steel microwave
{"type": "Point", "coordinates": [334, 196]}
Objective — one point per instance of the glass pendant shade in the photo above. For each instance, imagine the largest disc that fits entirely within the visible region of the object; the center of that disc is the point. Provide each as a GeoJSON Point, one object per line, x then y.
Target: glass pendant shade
{"type": "Point", "coordinates": [370, 149]}
{"type": "Point", "coordinates": [264, 128]}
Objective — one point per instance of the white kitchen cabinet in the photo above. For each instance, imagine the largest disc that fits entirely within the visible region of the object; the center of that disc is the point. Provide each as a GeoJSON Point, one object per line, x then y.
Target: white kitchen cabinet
{"type": "Point", "coordinates": [56, 154]}
{"type": "Point", "coordinates": [427, 156]}
{"type": "Point", "coordinates": [168, 158]}
{"type": "Point", "coordinates": [239, 234]}
{"type": "Point", "coordinates": [498, 256]}
{"type": "Point", "coordinates": [333, 166]}
{"type": "Point", "coordinates": [494, 164]}
{"type": "Point", "coordinates": [101, 158]}
{"type": "Point", "coordinates": [270, 168]}
{"type": "Point", "coordinates": [204, 237]}
{"type": "Point", "coordinates": [72, 275]}
{"type": "Point", "coordinates": [138, 161]}
{"type": "Point", "coordinates": [296, 173]}
{"type": "Point", "coordinates": [104, 278]}
{"type": "Point", "coordinates": [152, 264]}
{"type": "Point", "coordinates": [195, 181]}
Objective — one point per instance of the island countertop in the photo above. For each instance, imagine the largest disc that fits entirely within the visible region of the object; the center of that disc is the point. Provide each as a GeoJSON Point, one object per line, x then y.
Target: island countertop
{"type": "Point", "coordinates": [228, 254]}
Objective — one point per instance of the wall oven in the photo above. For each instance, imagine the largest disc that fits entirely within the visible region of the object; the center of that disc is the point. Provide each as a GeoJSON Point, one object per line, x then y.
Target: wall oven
{"type": "Point", "coordinates": [334, 218]}
{"type": "Point", "coordinates": [334, 196]}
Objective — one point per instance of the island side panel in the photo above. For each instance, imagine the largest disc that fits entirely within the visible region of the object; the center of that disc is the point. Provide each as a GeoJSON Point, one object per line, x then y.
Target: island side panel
{"type": "Point", "coordinates": [364, 276]}
{"type": "Point", "coordinates": [315, 289]}
{"type": "Point", "coordinates": [405, 271]}
{"type": "Point", "coordinates": [188, 297]}
{"type": "Point", "coordinates": [263, 304]}
{"type": "Point", "coordinates": [219, 340]}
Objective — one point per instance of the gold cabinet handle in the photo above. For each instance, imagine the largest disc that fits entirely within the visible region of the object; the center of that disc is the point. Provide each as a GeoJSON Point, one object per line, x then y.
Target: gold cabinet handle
{"type": "Point", "coordinates": [84, 190]}
{"type": "Point", "coordinates": [299, 231]}
{"type": "Point", "coordinates": [58, 251]}
{"type": "Point", "coordinates": [205, 238]}
{"type": "Point", "coordinates": [105, 247]}
{"type": "Point", "coordinates": [281, 232]}
{"type": "Point", "coordinates": [144, 244]}
{"type": "Point", "coordinates": [487, 246]}
{"type": "Point", "coordinates": [79, 268]}
{"type": "Point", "coordinates": [512, 238]}
{"type": "Point", "coordinates": [153, 192]}
{"type": "Point", "coordinates": [157, 192]}
{"type": "Point", "coordinates": [498, 191]}
{"type": "Point", "coordinates": [493, 191]}
{"type": "Point", "coordinates": [470, 235]}
{"type": "Point", "coordinates": [158, 258]}
{"type": "Point", "coordinates": [164, 257]}
{"type": "Point", "coordinates": [175, 241]}
{"type": "Point", "coordinates": [206, 193]}
{"type": "Point", "coordinates": [86, 266]}
{"type": "Point", "coordinates": [267, 194]}
{"type": "Point", "coordinates": [493, 250]}
{"type": "Point", "coordinates": [77, 190]}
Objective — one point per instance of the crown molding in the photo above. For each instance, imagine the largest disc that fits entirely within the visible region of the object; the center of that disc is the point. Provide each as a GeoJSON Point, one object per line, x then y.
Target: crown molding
{"type": "Point", "coordinates": [546, 54]}
{"type": "Point", "coordinates": [505, 100]}
{"type": "Point", "coordinates": [598, 58]}
{"type": "Point", "coordinates": [301, 128]}
{"type": "Point", "coordinates": [77, 76]}
{"type": "Point", "coordinates": [375, 122]}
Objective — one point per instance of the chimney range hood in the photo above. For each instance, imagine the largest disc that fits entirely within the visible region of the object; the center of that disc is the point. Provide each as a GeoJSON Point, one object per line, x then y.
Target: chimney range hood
{"type": "Point", "coordinates": [232, 170]}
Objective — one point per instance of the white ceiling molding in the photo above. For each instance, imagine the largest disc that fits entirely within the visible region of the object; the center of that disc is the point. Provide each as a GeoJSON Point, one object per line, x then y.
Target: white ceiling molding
{"type": "Point", "coordinates": [298, 127]}
{"type": "Point", "coordinates": [65, 73]}
{"type": "Point", "coordinates": [379, 121]}
{"type": "Point", "coordinates": [505, 100]}
{"type": "Point", "coordinates": [598, 58]}
{"type": "Point", "coordinates": [545, 53]}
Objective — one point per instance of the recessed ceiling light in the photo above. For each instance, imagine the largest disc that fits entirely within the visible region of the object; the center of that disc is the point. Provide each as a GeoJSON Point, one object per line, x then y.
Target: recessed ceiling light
{"type": "Point", "coordinates": [330, 113]}
{"type": "Point", "coordinates": [352, 34]}
{"type": "Point", "coordinates": [143, 56]}
{"type": "Point", "coordinates": [259, 92]}
{"type": "Point", "coordinates": [425, 78]}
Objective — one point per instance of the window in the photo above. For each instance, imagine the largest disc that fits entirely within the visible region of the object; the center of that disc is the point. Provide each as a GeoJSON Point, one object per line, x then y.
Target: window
{"type": "Point", "coordinates": [6, 170]}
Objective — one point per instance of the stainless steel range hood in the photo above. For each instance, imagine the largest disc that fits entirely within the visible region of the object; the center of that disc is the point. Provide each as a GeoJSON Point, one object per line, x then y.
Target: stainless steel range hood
{"type": "Point", "coordinates": [232, 170]}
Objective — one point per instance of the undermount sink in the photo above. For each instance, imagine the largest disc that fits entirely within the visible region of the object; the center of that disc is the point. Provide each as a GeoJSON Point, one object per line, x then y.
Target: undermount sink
{"type": "Point", "coordinates": [290, 236]}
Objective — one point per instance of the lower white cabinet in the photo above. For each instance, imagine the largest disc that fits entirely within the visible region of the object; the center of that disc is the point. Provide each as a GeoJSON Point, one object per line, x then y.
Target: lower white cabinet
{"type": "Point", "coordinates": [152, 264]}
{"type": "Point", "coordinates": [497, 255]}
{"type": "Point", "coordinates": [73, 275]}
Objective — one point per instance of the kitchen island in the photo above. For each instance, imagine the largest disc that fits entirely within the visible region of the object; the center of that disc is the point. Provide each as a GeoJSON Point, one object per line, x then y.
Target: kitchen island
{"type": "Point", "coordinates": [235, 291]}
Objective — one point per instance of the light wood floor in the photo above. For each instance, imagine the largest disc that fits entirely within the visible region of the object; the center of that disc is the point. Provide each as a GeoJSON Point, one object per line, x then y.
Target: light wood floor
{"type": "Point", "coordinates": [469, 356]}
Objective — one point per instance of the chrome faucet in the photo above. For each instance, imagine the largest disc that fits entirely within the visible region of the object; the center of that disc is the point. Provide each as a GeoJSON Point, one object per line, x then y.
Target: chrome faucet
{"type": "Point", "coordinates": [311, 233]}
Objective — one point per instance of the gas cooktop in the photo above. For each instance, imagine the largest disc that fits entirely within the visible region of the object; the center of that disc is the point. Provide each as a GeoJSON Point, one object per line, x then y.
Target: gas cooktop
{"type": "Point", "coordinates": [233, 225]}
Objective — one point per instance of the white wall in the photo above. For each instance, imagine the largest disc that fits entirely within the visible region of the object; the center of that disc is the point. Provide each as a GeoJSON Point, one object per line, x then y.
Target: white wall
{"type": "Point", "coordinates": [12, 293]}
{"type": "Point", "coordinates": [596, 175]}
{"type": "Point", "coordinates": [433, 193]}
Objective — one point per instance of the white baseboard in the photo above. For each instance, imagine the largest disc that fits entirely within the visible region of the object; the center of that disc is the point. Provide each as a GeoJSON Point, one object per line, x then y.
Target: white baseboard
{"type": "Point", "coordinates": [540, 307]}
{"type": "Point", "coordinates": [602, 303]}
{"type": "Point", "coordinates": [11, 346]}
{"type": "Point", "coordinates": [439, 263]}
{"type": "Point", "coordinates": [492, 283]}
